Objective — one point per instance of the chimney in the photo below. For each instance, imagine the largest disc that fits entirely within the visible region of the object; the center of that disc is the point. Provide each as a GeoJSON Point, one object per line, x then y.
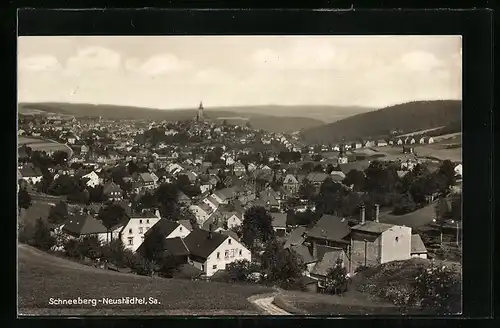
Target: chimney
{"type": "Point", "coordinates": [362, 214]}
{"type": "Point", "coordinates": [210, 229]}
{"type": "Point", "coordinates": [377, 210]}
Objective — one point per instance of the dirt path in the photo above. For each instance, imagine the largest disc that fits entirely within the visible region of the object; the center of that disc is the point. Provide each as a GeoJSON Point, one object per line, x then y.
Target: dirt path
{"type": "Point", "coordinates": [265, 303]}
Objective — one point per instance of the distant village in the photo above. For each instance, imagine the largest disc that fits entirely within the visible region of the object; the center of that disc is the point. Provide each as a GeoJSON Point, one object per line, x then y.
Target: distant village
{"type": "Point", "coordinates": [207, 188]}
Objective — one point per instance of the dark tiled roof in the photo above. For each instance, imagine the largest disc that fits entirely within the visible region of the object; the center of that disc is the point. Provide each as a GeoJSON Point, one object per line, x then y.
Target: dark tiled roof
{"type": "Point", "coordinates": [165, 226]}
{"type": "Point", "coordinates": [111, 187]}
{"type": "Point", "coordinates": [186, 224]}
{"type": "Point", "coordinates": [200, 245]}
{"type": "Point", "coordinates": [296, 237]}
{"type": "Point", "coordinates": [330, 227]}
{"type": "Point", "coordinates": [83, 225]}
{"type": "Point", "coordinates": [304, 253]}
{"type": "Point", "coordinates": [327, 262]}
{"type": "Point", "coordinates": [175, 247]}
{"type": "Point", "coordinates": [372, 227]}
{"type": "Point", "coordinates": [279, 220]}
{"type": "Point", "coordinates": [417, 245]}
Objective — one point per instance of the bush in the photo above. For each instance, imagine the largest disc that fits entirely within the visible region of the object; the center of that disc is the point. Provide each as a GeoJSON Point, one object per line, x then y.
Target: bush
{"type": "Point", "coordinates": [437, 288]}
{"type": "Point", "coordinates": [336, 279]}
{"type": "Point", "coordinates": [241, 270]}
{"type": "Point", "coordinates": [138, 264]}
{"type": "Point", "coordinates": [42, 238]}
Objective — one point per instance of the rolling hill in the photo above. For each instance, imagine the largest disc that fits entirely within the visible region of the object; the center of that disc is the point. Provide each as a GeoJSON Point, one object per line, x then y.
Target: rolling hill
{"type": "Point", "coordinates": [269, 118]}
{"type": "Point", "coordinates": [407, 117]}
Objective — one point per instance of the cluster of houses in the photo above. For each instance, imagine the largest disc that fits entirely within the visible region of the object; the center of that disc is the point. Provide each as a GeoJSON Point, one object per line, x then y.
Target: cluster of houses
{"type": "Point", "coordinates": [360, 244]}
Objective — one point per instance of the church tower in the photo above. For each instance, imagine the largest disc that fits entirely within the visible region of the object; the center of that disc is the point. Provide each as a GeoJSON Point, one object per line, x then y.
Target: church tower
{"type": "Point", "coordinates": [342, 159]}
{"type": "Point", "coordinates": [199, 116]}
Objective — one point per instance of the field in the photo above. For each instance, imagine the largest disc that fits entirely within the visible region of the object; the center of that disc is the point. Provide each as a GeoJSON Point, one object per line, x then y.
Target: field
{"type": "Point", "coordinates": [442, 150]}
{"type": "Point", "coordinates": [43, 276]}
{"type": "Point", "coordinates": [41, 144]}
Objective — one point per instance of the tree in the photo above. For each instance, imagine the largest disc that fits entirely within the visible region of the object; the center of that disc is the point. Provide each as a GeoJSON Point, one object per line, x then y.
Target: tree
{"type": "Point", "coordinates": [153, 246]}
{"type": "Point", "coordinates": [306, 190]}
{"type": "Point", "coordinates": [96, 194]}
{"type": "Point", "coordinates": [58, 213]}
{"type": "Point", "coordinates": [356, 179]}
{"type": "Point", "coordinates": [336, 278]}
{"type": "Point", "coordinates": [443, 210]}
{"type": "Point", "coordinates": [447, 171]}
{"type": "Point", "coordinates": [24, 198]}
{"type": "Point", "coordinates": [167, 197]}
{"type": "Point", "coordinates": [281, 266]}
{"type": "Point", "coordinates": [42, 237]}
{"type": "Point", "coordinates": [138, 264]}
{"type": "Point", "coordinates": [241, 271]}
{"type": "Point", "coordinates": [90, 246]}
{"type": "Point", "coordinates": [404, 205]}
{"type": "Point", "coordinates": [114, 252]}
{"type": "Point", "coordinates": [111, 215]}
{"type": "Point", "coordinates": [456, 207]}
{"type": "Point", "coordinates": [257, 227]}
{"type": "Point", "coordinates": [59, 157]}
{"type": "Point", "coordinates": [168, 265]}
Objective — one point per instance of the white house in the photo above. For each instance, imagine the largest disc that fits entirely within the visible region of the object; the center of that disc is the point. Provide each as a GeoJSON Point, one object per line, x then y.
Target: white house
{"type": "Point", "coordinates": [132, 233]}
{"type": "Point", "coordinates": [234, 220]}
{"type": "Point", "coordinates": [93, 179]}
{"type": "Point", "coordinates": [212, 251]}
{"type": "Point", "coordinates": [201, 211]}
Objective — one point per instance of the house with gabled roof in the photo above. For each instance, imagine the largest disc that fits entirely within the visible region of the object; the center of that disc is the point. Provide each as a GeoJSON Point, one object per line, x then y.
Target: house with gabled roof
{"type": "Point", "coordinates": [291, 183]}
{"type": "Point", "coordinates": [31, 174]}
{"type": "Point", "coordinates": [81, 225]}
{"type": "Point", "coordinates": [113, 191]}
{"type": "Point", "coordinates": [211, 251]}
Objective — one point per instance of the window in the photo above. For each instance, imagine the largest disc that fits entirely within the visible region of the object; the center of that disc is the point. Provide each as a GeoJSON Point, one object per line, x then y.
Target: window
{"type": "Point", "coordinates": [129, 230]}
{"type": "Point", "coordinates": [232, 253]}
{"type": "Point", "coordinates": [218, 255]}
{"type": "Point", "coordinates": [202, 267]}
{"type": "Point", "coordinates": [147, 221]}
{"type": "Point", "coordinates": [229, 241]}
{"type": "Point", "coordinates": [180, 228]}
{"type": "Point", "coordinates": [140, 221]}
{"type": "Point", "coordinates": [140, 230]}
{"type": "Point", "coordinates": [397, 239]}
{"type": "Point", "coordinates": [214, 267]}
{"type": "Point", "coordinates": [226, 254]}
{"type": "Point", "coordinates": [240, 252]}
{"type": "Point", "coordinates": [130, 241]}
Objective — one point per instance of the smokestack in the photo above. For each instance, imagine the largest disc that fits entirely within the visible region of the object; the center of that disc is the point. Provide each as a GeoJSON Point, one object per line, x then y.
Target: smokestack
{"type": "Point", "coordinates": [377, 210]}
{"type": "Point", "coordinates": [362, 214]}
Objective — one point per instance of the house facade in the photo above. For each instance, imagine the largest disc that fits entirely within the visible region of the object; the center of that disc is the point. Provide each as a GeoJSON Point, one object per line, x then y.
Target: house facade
{"type": "Point", "coordinates": [212, 251]}
{"type": "Point", "coordinates": [133, 232]}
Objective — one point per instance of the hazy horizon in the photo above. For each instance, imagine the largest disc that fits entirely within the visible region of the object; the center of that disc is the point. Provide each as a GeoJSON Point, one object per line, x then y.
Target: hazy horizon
{"type": "Point", "coordinates": [167, 72]}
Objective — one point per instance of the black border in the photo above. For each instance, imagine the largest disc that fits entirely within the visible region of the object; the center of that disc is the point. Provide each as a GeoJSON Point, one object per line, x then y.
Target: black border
{"type": "Point", "coordinates": [474, 25]}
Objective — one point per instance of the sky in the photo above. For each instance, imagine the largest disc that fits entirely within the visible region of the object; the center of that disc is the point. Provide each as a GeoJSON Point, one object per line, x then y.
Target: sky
{"type": "Point", "coordinates": [169, 72]}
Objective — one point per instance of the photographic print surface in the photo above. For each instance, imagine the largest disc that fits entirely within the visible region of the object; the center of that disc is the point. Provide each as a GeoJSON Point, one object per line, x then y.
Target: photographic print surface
{"type": "Point", "coordinates": [239, 175]}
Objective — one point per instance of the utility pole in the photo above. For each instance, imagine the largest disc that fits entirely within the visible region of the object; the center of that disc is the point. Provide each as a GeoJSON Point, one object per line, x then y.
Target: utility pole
{"type": "Point", "coordinates": [457, 234]}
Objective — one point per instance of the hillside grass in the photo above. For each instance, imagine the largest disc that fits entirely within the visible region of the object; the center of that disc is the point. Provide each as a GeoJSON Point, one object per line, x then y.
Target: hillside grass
{"type": "Point", "coordinates": [42, 276]}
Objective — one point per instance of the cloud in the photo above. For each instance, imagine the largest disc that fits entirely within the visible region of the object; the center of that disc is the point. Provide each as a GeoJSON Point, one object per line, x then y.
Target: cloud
{"type": "Point", "coordinates": [93, 59]}
{"type": "Point", "coordinates": [39, 63]}
{"type": "Point", "coordinates": [420, 61]}
{"type": "Point", "coordinates": [158, 65]}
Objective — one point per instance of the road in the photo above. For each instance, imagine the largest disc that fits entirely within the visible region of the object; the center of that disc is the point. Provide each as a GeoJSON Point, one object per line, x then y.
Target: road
{"type": "Point", "coordinates": [266, 304]}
